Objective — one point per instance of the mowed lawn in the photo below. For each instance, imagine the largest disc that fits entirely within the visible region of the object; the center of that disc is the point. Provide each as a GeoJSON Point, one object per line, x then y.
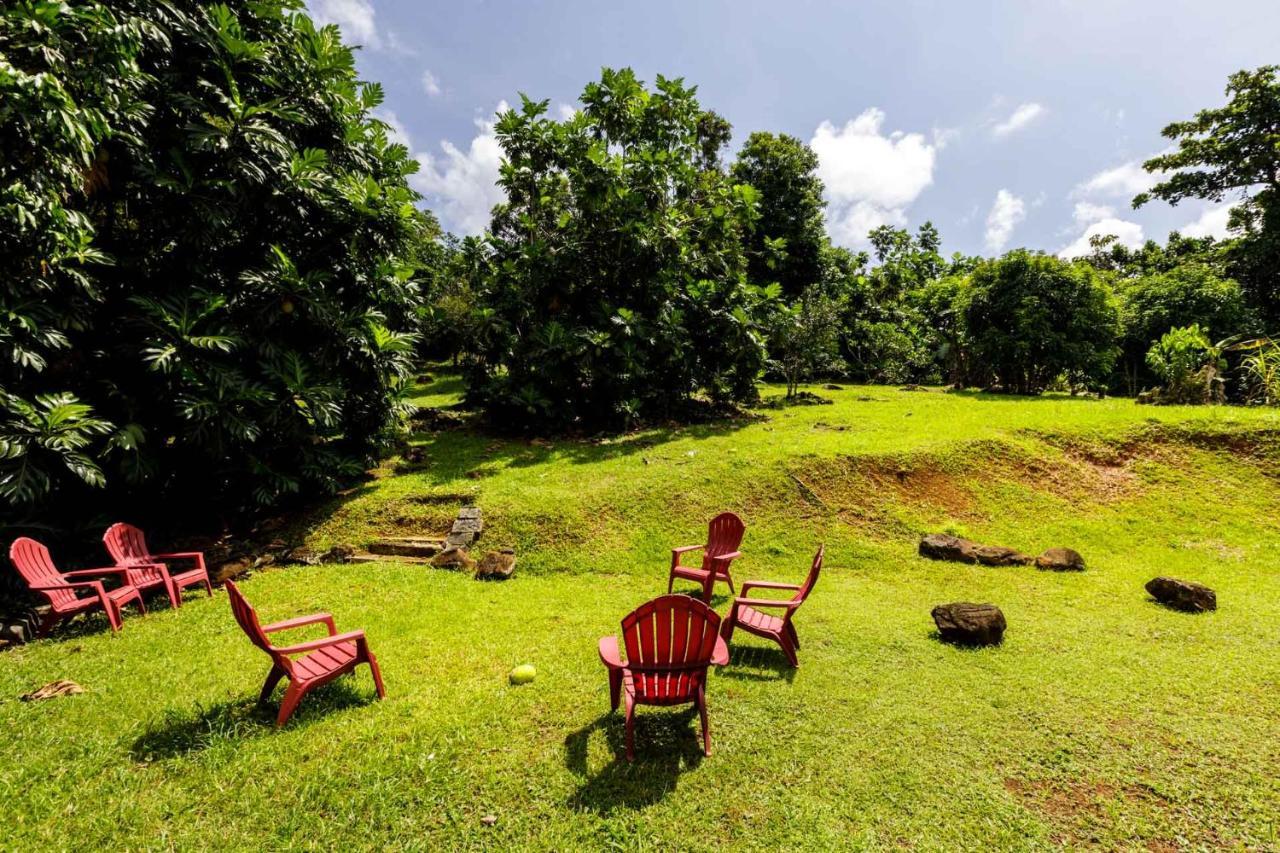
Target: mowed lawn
{"type": "Point", "coordinates": [1104, 720]}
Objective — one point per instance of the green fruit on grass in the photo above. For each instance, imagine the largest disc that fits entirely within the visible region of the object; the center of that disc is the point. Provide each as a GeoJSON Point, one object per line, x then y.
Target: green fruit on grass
{"type": "Point", "coordinates": [523, 674]}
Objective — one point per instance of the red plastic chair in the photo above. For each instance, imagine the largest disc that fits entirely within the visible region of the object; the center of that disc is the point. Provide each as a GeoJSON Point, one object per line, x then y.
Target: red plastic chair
{"type": "Point", "coordinates": [322, 660]}
{"type": "Point", "coordinates": [670, 642]}
{"type": "Point", "coordinates": [128, 547]}
{"type": "Point", "coordinates": [33, 562]}
{"type": "Point", "coordinates": [724, 535]}
{"type": "Point", "coordinates": [745, 614]}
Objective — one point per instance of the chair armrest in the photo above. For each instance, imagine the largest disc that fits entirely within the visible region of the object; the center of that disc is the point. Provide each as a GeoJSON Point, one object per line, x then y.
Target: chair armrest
{"type": "Point", "coordinates": [794, 587]}
{"type": "Point", "coordinates": [191, 554]}
{"type": "Point", "coordinates": [94, 585]}
{"type": "Point", "coordinates": [609, 655]}
{"type": "Point", "coordinates": [676, 553]}
{"type": "Point", "coordinates": [766, 602]}
{"type": "Point", "coordinates": [724, 558]}
{"type": "Point", "coordinates": [311, 646]}
{"type": "Point", "coordinates": [298, 622]}
{"type": "Point", "coordinates": [720, 657]}
{"type": "Point", "coordinates": [89, 573]}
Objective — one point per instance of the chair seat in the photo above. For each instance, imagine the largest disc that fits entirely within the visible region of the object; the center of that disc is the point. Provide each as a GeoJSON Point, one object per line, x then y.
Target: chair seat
{"type": "Point", "coordinates": [325, 661]}
{"type": "Point", "coordinates": [756, 620]}
{"type": "Point", "coordinates": [662, 688]}
{"type": "Point", "coordinates": [188, 578]}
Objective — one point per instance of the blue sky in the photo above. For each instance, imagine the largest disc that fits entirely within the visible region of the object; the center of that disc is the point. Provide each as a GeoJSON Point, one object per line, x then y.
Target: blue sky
{"type": "Point", "coordinates": [1006, 123]}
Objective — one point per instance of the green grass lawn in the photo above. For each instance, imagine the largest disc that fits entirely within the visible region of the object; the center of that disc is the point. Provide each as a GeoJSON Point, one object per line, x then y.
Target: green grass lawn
{"type": "Point", "coordinates": [1104, 720]}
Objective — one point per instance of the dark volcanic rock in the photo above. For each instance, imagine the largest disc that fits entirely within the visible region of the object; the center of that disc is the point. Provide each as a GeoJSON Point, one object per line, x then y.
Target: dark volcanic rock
{"type": "Point", "coordinates": [942, 546]}
{"type": "Point", "coordinates": [497, 565]}
{"type": "Point", "coordinates": [970, 624]}
{"type": "Point", "coordinates": [1061, 560]}
{"type": "Point", "coordinates": [1182, 595]}
{"type": "Point", "coordinates": [453, 558]}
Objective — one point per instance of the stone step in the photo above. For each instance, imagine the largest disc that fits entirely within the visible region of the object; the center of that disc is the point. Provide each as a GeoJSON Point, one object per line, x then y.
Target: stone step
{"type": "Point", "coordinates": [390, 558]}
{"type": "Point", "coordinates": [407, 546]}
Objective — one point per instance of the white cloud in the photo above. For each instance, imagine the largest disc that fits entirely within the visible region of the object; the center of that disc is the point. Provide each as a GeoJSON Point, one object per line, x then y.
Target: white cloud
{"type": "Point", "coordinates": [430, 84]}
{"type": "Point", "coordinates": [1022, 116]}
{"type": "Point", "coordinates": [1087, 212]}
{"type": "Point", "coordinates": [461, 186]}
{"type": "Point", "coordinates": [1006, 212]}
{"type": "Point", "coordinates": [566, 111]}
{"type": "Point", "coordinates": [1127, 179]}
{"type": "Point", "coordinates": [1212, 223]}
{"type": "Point", "coordinates": [353, 17]}
{"type": "Point", "coordinates": [870, 177]}
{"type": "Point", "coordinates": [1126, 233]}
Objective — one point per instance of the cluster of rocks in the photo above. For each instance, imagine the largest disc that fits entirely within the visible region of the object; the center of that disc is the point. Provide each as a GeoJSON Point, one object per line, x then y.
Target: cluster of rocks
{"type": "Point", "coordinates": [451, 552]}
{"type": "Point", "coordinates": [943, 546]}
{"type": "Point", "coordinates": [964, 623]}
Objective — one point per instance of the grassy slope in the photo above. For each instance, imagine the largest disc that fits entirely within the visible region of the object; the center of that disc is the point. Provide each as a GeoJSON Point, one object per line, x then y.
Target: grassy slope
{"type": "Point", "coordinates": [1103, 719]}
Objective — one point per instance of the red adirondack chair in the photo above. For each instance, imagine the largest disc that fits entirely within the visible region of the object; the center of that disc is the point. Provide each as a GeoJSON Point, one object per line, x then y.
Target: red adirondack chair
{"type": "Point", "coordinates": [322, 660]}
{"type": "Point", "coordinates": [33, 562]}
{"type": "Point", "coordinates": [144, 570]}
{"type": "Point", "coordinates": [724, 535]}
{"type": "Point", "coordinates": [745, 614]}
{"type": "Point", "coordinates": [670, 642]}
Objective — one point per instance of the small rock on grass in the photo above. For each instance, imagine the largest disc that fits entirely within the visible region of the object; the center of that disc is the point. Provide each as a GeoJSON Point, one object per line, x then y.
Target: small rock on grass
{"type": "Point", "coordinates": [1187, 596]}
{"type": "Point", "coordinates": [453, 558]}
{"type": "Point", "coordinates": [1061, 560]}
{"type": "Point", "coordinates": [496, 565]}
{"type": "Point", "coordinates": [61, 687]}
{"type": "Point", "coordinates": [969, 624]}
{"type": "Point", "coordinates": [489, 819]}
{"type": "Point", "coordinates": [943, 546]}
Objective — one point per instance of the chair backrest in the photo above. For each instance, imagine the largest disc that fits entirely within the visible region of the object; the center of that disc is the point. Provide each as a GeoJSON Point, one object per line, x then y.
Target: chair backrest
{"type": "Point", "coordinates": [128, 547]}
{"type": "Point", "coordinates": [724, 535]}
{"type": "Point", "coordinates": [248, 621]}
{"type": "Point", "coordinates": [126, 544]}
{"type": "Point", "coordinates": [807, 586]}
{"type": "Point", "coordinates": [669, 643]}
{"type": "Point", "coordinates": [33, 562]}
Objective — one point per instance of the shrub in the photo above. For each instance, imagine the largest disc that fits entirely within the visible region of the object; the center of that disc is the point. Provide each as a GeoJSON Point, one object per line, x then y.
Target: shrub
{"type": "Point", "coordinates": [205, 242]}
{"type": "Point", "coordinates": [617, 289]}
{"type": "Point", "coordinates": [1188, 364]}
{"type": "Point", "coordinates": [804, 338]}
{"type": "Point", "coordinates": [1031, 318]}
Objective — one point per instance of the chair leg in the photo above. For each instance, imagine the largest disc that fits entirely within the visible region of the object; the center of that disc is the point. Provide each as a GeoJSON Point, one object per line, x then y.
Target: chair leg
{"type": "Point", "coordinates": [292, 697]}
{"type": "Point", "coordinates": [630, 725]}
{"type": "Point", "coordinates": [273, 678]}
{"type": "Point", "coordinates": [795, 638]}
{"type": "Point", "coordinates": [787, 649]}
{"type": "Point", "coordinates": [671, 579]}
{"type": "Point", "coordinates": [113, 615]}
{"type": "Point", "coordinates": [727, 626]}
{"type": "Point", "coordinates": [377, 675]}
{"type": "Point", "coordinates": [615, 688]}
{"type": "Point", "coordinates": [142, 608]}
{"type": "Point", "coordinates": [729, 579]}
{"type": "Point", "coordinates": [208, 585]}
{"type": "Point", "coordinates": [175, 594]}
{"type": "Point", "coordinates": [47, 623]}
{"type": "Point", "coordinates": [706, 725]}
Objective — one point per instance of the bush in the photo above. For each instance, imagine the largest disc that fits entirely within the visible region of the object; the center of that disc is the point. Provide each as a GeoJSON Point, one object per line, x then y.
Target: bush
{"type": "Point", "coordinates": [205, 242]}
{"type": "Point", "coordinates": [1031, 319]}
{"type": "Point", "coordinates": [617, 288]}
{"type": "Point", "coordinates": [1188, 365]}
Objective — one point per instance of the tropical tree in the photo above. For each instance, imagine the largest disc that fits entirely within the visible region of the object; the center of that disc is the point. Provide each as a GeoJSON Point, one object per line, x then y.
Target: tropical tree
{"type": "Point", "coordinates": [207, 259]}
{"type": "Point", "coordinates": [788, 239]}
{"type": "Point", "coordinates": [1189, 366]}
{"type": "Point", "coordinates": [1032, 319]}
{"type": "Point", "coordinates": [618, 288]}
{"type": "Point", "coordinates": [1233, 151]}
{"type": "Point", "coordinates": [804, 338]}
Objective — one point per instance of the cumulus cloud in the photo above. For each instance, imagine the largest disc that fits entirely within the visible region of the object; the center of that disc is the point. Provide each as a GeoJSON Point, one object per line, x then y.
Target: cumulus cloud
{"type": "Point", "coordinates": [430, 84]}
{"type": "Point", "coordinates": [1006, 212]}
{"type": "Point", "coordinates": [397, 133]}
{"type": "Point", "coordinates": [354, 17]}
{"type": "Point", "coordinates": [1212, 223]}
{"type": "Point", "coordinates": [1087, 212]}
{"type": "Point", "coordinates": [871, 177]}
{"type": "Point", "coordinates": [461, 185]}
{"type": "Point", "coordinates": [1127, 179]}
{"type": "Point", "coordinates": [1127, 234]}
{"type": "Point", "coordinates": [1024, 115]}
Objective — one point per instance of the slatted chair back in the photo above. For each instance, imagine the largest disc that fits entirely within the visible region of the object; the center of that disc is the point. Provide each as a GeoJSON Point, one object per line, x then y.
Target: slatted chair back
{"type": "Point", "coordinates": [812, 579]}
{"type": "Point", "coordinates": [248, 621]}
{"type": "Point", "coordinates": [669, 643]}
{"type": "Point", "coordinates": [128, 548]}
{"type": "Point", "coordinates": [724, 535]}
{"type": "Point", "coordinates": [33, 562]}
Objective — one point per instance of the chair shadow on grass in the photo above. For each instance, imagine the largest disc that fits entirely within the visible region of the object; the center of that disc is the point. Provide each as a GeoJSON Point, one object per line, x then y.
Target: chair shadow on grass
{"type": "Point", "coordinates": [757, 663]}
{"type": "Point", "coordinates": [181, 733]}
{"type": "Point", "coordinates": [668, 743]}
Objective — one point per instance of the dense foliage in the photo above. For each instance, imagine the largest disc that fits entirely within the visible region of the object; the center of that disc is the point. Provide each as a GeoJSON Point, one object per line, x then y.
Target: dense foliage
{"type": "Point", "coordinates": [617, 287]}
{"type": "Point", "coordinates": [206, 259]}
{"type": "Point", "coordinates": [1032, 319]}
